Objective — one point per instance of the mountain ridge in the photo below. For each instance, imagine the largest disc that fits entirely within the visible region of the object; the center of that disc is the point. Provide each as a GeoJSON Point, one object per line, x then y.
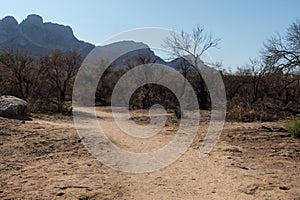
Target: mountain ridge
{"type": "Point", "coordinates": [37, 37]}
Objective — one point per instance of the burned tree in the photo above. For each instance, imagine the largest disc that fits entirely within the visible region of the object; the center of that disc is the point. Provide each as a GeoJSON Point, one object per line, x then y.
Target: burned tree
{"type": "Point", "coordinates": [193, 45]}
{"type": "Point", "coordinates": [20, 73]}
{"type": "Point", "coordinates": [61, 68]}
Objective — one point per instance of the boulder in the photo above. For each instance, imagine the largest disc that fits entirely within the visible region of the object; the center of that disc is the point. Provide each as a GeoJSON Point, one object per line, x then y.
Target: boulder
{"type": "Point", "coordinates": [11, 106]}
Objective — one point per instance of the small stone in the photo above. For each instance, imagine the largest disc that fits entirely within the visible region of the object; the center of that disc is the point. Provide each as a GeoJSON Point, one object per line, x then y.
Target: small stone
{"type": "Point", "coordinates": [284, 188]}
{"type": "Point", "coordinates": [60, 194]}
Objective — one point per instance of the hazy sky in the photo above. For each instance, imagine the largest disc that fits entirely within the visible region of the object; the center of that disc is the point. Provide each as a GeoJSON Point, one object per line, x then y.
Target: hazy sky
{"type": "Point", "coordinates": [242, 25]}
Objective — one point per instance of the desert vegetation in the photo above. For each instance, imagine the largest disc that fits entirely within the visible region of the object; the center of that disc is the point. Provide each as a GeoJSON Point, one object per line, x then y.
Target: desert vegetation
{"type": "Point", "coordinates": [266, 89]}
{"type": "Point", "coordinates": [45, 82]}
{"type": "Point", "coordinates": [42, 157]}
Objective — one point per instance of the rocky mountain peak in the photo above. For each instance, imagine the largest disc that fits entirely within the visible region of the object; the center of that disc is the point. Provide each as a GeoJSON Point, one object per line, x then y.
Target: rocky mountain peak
{"type": "Point", "coordinates": [41, 38]}
{"type": "Point", "coordinates": [8, 21]}
{"type": "Point", "coordinates": [37, 37]}
{"type": "Point", "coordinates": [9, 27]}
{"type": "Point", "coordinates": [33, 20]}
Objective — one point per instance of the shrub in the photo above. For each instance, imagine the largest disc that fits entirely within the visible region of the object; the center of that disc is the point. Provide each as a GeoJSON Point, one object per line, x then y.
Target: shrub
{"type": "Point", "coordinates": [293, 127]}
{"type": "Point", "coordinates": [178, 112]}
{"type": "Point", "coordinates": [67, 108]}
{"type": "Point", "coordinates": [246, 113]}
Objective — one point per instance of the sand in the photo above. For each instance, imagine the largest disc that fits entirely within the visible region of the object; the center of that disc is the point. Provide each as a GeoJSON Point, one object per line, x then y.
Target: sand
{"type": "Point", "coordinates": [44, 158]}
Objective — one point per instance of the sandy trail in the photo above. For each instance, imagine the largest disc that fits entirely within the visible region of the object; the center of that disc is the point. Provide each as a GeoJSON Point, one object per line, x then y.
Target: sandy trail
{"type": "Point", "coordinates": [45, 159]}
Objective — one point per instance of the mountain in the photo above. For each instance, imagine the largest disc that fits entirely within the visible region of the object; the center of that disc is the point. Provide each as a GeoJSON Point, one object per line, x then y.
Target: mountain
{"type": "Point", "coordinates": [138, 53]}
{"type": "Point", "coordinates": [124, 54]}
{"type": "Point", "coordinates": [37, 37]}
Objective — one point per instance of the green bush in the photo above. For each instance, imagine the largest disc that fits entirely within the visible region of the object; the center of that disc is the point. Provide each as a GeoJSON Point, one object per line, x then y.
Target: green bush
{"type": "Point", "coordinates": [178, 112]}
{"type": "Point", "coordinates": [293, 127]}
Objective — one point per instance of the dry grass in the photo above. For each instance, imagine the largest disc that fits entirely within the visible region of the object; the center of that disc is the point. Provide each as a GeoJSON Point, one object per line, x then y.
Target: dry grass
{"type": "Point", "coordinates": [245, 113]}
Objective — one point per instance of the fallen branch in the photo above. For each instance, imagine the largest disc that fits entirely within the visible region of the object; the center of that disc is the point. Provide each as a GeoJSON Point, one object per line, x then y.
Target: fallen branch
{"type": "Point", "coordinates": [72, 186]}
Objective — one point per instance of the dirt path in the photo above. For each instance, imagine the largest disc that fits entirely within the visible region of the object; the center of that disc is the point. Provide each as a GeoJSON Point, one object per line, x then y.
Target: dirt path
{"type": "Point", "coordinates": [45, 159]}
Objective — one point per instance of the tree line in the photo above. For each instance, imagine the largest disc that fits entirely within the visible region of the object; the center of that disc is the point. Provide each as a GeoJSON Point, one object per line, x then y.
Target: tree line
{"type": "Point", "coordinates": [45, 82]}
{"type": "Point", "coordinates": [268, 88]}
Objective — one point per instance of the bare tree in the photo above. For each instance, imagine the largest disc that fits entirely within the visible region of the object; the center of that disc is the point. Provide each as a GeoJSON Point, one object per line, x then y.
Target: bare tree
{"type": "Point", "coordinates": [281, 53]}
{"type": "Point", "coordinates": [284, 91]}
{"type": "Point", "coordinates": [252, 75]}
{"type": "Point", "coordinates": [103, 85]}
{"type": "Point", "coordinates": [21, 71]}
{"type": "Point", "coordinates": [281, 57]}
{"type": "Point", "coordinates": [147, 90]}
{"type": "Point", "coordinates": [193, 45]}
{"type": "Point", "coordinates": [61, 68]}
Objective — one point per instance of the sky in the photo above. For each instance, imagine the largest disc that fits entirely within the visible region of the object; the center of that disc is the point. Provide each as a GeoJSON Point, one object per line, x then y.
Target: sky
{"type": "Point", "coordinates": [242, 25]}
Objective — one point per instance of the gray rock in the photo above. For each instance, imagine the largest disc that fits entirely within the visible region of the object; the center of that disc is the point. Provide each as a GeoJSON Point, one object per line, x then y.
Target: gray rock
{"type": "Point", "coordinates": [11, 106]}
{"type": "Point", "coordinates": [9, 28]}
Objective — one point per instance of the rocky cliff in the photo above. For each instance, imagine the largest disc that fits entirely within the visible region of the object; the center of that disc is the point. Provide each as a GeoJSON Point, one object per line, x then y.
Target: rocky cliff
{"type": "Point", "coordinates": [37, 37]}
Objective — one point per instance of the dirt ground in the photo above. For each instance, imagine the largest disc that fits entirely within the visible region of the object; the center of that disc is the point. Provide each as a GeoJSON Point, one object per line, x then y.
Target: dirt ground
{"type": "Point", "coordinates": [43, 158]}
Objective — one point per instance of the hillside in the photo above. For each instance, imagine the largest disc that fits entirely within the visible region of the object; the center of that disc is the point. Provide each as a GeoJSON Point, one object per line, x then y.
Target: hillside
{"type": "Point", "coordinates": [37, 37]}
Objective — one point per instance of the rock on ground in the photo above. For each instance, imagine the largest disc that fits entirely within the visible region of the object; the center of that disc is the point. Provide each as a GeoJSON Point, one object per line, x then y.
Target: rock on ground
{"type": "Point", "coordinates": [11, 106]}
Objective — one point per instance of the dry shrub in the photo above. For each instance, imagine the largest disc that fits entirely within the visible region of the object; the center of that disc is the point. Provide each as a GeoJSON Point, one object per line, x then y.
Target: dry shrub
{"type": "Point", "coordinates": [246, 113]}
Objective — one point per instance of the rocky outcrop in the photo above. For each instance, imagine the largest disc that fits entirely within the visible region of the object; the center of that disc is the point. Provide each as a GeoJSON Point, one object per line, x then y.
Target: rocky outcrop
{"type": "Point", "coordinates": [11, 106]}
{"type": "Point", "coordinates": [9, 28]}
{"type": "Point", "coordinates": [36, 37]}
